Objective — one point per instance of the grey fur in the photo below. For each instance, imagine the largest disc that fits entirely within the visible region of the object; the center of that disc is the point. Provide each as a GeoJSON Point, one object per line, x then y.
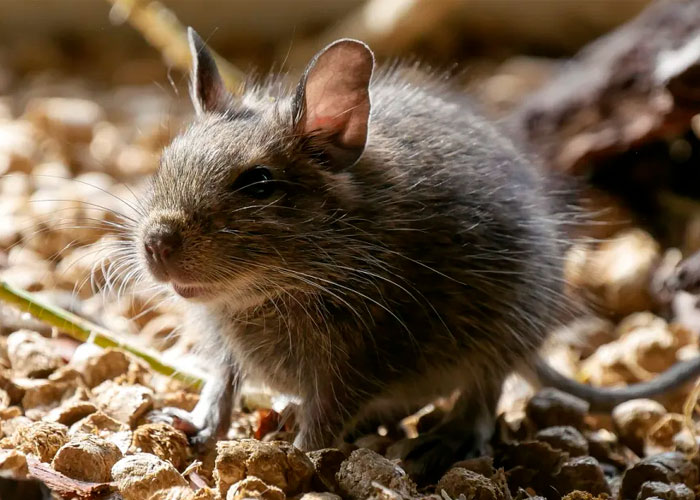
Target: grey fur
{"type": "Point", "coordinates": [432, 264]}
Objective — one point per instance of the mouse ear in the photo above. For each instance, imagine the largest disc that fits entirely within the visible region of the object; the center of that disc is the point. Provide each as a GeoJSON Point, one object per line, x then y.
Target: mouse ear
{"type": "Point", "coordinates": [207, 89]}
{"type": "Point", "coordinates": [332, 102]}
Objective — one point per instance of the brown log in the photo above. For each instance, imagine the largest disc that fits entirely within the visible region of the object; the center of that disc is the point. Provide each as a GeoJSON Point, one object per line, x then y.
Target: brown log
{"type": "Point", "coordinates": [63, 485]}
{"type": "Point", "coordinates": [637, 84]}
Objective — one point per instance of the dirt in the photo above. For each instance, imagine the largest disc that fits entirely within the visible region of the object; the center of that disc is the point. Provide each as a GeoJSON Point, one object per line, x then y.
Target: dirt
{"type": "Point", "coordinates": [76, 416]}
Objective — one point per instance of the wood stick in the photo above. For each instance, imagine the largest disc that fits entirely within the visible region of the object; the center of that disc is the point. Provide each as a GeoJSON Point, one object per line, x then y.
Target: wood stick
{"type": "Point", "coordinates": [84, 331]}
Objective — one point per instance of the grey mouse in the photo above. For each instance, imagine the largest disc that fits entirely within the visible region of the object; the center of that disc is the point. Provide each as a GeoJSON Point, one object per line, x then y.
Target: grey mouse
{"type": "Point", "coordinates": [365, 241]}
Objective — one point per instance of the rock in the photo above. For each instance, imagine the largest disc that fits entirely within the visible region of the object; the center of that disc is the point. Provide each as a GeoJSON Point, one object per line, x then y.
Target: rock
{"type": "Point", "coordinates": [68, 119]}
{"type": "Point", "coordinates": [126, 403]}
{"type": "Point", "coordinates": [105, 365]}
{"type": "Point", "coordinates": [42, 396]}
{"type": "Point", "coordinates": [458, 481]}
{"type": "Point", "coordinates": [42, 439]}
{"type": "Point", "coordinates": [178, 399]}
{"type": "Point", "coordinates": [141, 475]}
{"type": "Point", "coordinates": [31, 354]}
{"type": "Point", "coordinates": [564, 438]}
{"type": "Point", "coordinates": [104, 426]}
{"type": "Point", "coordinates": [551, 408]}
{"type": "Point", "coordinates": [252, 487]}
{"type": "Point", "coordinates": [163, 441]}
{"type": "Point", "coordinates": [71, 413]}
{"type": "Point", "coordinates": [634, 419]}
{"type": "Point", "coordinates": [87, 458]}
{"type": "Point", "coordinates": [277, 463]}
{"type": "Point", "coordinates": [480, 465]}
{"type": "Point", "coordinates": [365, 467]}
{"type": "Point", "coordinates": [13, 463]}
{"type": "Point", "coordinates": [183, 493]}
{"type": "Point", "coordinates": [667, 468]}
{"type": "Point", "coordinates": [319, 496]}
{"type": "Point", "coordinates": [326, 464]}
{"type": "Point", "coordinates": [98, 423]}
{"type": "Point", "coordinates": [617, 273]}
{"type": "Point", "coordinates": [656, 489]}
{"type": "Point", "coordinates": [18, 146]}
{"type": "Point", "coordinates": [582, 473]}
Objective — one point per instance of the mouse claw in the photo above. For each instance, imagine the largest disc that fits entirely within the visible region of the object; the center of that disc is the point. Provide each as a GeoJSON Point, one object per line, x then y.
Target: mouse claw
{"type": "Point", "coordinates": [176, 418]}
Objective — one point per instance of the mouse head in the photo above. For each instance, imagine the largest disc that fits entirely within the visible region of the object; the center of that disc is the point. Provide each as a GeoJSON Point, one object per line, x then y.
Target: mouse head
{"type": "Point", "coordinates": [246, 200]}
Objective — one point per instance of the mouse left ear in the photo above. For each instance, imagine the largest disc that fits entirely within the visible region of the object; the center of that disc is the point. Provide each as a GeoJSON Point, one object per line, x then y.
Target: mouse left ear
{"type": "Point", "coordinates": [207, 88]}
{"type": "Point", "coordinates": [332, 102]}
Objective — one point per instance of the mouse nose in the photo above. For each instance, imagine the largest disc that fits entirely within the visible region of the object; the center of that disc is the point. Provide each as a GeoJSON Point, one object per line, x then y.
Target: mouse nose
{"type": "Point", "coordinates": [160, 245]}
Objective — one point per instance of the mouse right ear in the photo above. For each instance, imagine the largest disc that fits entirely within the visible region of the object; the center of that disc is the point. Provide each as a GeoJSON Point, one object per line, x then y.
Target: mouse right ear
{"type": "Point", "coordinates": [207, 88]}
{"type": "Point", "coordinates": [332, 102]}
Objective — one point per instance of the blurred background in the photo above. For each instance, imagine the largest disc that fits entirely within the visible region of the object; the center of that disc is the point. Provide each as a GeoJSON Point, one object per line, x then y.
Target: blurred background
{"type": "Point", "coordinates": [603, 91]}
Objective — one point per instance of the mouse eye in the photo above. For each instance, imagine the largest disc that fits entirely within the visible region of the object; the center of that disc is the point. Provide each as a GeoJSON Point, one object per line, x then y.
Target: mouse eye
{"type": "Point", "coordinates": [256, 182]}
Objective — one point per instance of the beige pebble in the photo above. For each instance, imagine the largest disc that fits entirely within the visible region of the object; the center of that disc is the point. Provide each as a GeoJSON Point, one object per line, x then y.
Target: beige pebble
{"type": "Point", "coordinates": [87, 458]}
{"type": "Point", "coordinates": [69, 119]}
{"type": "Point", "coordinates": [278, 464]}
{"type": "Point", "coordinates": [140, 475]}
{"type": "Point", "coordinates": [364, 467]}
{"type": "Point", "coordinates": [163, 441]}
{"type": "Point", "coordinates": [634, 419]}
{"type": "Point", "coordinates": [41, 439]}
{"type": "Point", "coordinates": [31, 354]}
{"type": "Point", "coordinates": [253, 487]}
{"type": "Point", "coordinates": [13, 463]}
{"type": "Point", "coordinates": [126, 403]}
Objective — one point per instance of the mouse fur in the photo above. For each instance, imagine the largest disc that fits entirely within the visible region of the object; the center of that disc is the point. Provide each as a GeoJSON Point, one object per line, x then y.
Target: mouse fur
{"type": "Point", "coordinates": [406, 248]}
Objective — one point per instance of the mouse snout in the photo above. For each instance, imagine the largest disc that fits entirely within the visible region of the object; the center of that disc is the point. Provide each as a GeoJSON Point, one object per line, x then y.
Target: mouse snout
{"type": "Point", "coordinates": [160, 246]}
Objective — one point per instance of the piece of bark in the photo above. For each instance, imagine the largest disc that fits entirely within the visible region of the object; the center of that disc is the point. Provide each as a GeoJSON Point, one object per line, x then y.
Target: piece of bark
{"type": "Point", "coordinates": [635, 85]}
{"type": "Point", "coordinates": [63, 485]}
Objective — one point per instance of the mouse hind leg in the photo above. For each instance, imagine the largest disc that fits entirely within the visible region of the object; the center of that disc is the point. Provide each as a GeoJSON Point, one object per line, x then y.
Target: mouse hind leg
{"type": "Point", "coordinates": [465, 432]}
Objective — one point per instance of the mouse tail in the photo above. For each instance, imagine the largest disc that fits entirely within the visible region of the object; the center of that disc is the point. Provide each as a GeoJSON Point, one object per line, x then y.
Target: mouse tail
{"type": "Point", "coordinates": [604, 399]}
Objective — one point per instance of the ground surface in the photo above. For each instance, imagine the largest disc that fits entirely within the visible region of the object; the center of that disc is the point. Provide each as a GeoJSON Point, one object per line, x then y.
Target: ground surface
{"type": "Point", "coordinates": [76, 416]}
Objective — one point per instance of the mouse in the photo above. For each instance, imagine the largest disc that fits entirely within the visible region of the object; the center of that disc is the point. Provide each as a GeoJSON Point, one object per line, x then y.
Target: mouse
{"type": "Point", "coordinates": [363, 240]}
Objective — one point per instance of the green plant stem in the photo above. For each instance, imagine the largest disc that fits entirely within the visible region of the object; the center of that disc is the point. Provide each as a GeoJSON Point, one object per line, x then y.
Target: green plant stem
{"type": "Point", "coordinates": [84, 331]}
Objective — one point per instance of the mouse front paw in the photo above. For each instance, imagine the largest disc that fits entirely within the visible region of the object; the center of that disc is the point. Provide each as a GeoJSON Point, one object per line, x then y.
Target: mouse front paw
{"type": "Point", "coordinates": [201, 437]}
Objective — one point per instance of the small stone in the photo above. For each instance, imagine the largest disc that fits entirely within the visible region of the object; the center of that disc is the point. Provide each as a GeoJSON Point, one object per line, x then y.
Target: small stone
{"type": "Point", "coordinates": [634, 419]}
{"type": "Point", "coordinates": [98, 423]}
{"type": "Point", "coordinates": [253, 487]}
{"type": "Point", "coordinates": [87, 458]}
{"type": "Point", "coordinates": [480, 465]}
{"type": "Point", "coordinates": [551, 408]}
{"type": "Point", "coordinates": [365, 467]}
{"type": "Point", "coordinates": [320, 496]}
{"type": "Point", "coordinates": [101, 366]}
{"type": "Point", "coordinates": [326, 464]}
{"type": "Point", "coordinates": [104, 426]}
{"type": "Point", "coordinates": [163, 441]}
{"type": "Point", "coordinates": [178, 399]}
{"type": "Point", "coordinates": [18, 146]}
{"type": "Point", "coordinates": [276, 463]}
{"type": "Point", "coordinates": [182, 493]}
{"type": "Point", "coordinates": [141, 475]}
{"type": "Point", "coordinates": [13, 463]}
{"type": "Point", "coordinates": [667, 468]}
{"type": "Point", "coordinates": [458, 481]}
{"type": "Point", "coordinates": [42, 439]}
{"type": "Point", "coordinates": [42, 396]}
{"type": "Point", "coordinates": [71, 413]}
{"type": "Point", "coordinates": [126, 403]}
{"type": "Point", "coordinates": [663, 491]}
{"type": "Point", "coordinates": [69, 119]}
{"type": "Point", "coordinates": [564, 438]}
{"type": "Point", "coordinates": [582, 473]}
{"type": "Point", "coordinates": [31, 354]}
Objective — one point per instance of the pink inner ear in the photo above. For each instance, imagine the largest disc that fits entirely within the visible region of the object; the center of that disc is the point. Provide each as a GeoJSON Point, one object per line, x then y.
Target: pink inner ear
{"type": "Point", "coordinates": [337, 94]}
